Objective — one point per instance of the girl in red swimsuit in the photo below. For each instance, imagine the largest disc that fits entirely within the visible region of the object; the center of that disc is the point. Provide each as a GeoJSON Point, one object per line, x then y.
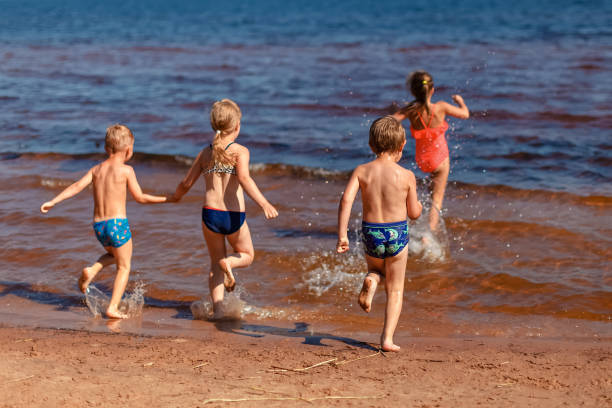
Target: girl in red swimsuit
{"type": "Point", "coordinates": [428, 126]}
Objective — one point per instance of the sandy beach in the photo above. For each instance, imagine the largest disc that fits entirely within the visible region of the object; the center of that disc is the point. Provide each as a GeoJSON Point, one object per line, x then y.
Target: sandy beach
{"type": "Point", "coordinates": [46, 367]}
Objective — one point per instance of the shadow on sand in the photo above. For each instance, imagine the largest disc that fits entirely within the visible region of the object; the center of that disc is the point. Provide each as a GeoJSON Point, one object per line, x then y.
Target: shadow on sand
{"type": "Point", "coordinates": [182, 308]}
{"type": "Point", "coordinates": [301, 329]}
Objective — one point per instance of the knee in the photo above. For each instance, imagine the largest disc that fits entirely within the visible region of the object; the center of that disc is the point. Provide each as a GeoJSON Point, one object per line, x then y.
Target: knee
{"type": "Point", "coordinates": [123, 268]}
{"type": "Point", "coordinates": [249, 256]}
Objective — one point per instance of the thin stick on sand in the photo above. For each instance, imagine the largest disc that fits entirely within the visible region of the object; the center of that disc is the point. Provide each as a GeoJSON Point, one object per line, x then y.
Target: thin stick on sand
{"type": "Point", "coordinates": [20, 379]}
{"type": "Point", "coordinates": [330, 361]}
{"type": "Point", "coordinates": [307, 399]}
{"type": "Point", "coordinates": [299, 370]}
{"type": "Point", "coordinates": [379, 352]}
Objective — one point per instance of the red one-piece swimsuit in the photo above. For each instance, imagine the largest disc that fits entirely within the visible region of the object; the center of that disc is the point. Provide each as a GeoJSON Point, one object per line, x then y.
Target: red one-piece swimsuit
{"type": "Point", "coordinates": [431, 148]}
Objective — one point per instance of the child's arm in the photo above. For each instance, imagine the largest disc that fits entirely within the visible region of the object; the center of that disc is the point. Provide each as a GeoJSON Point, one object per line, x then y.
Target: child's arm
{"type": "Point", "coordinates": [461, 112]}
{"type": "Point", "coordinates": [70, 191]}
{"type": "Point", "coordinates": [402, 113]}
{"type": "Point", "coordinates": [136, 191]}
{"type": "Point", "coordinates": [189, 180]}
{"type": "Point", "coordinates": [344, 211]}
{"type": "Point", "coordinates": [249, 186]}
{"type": "Point", "coordinates": [413, 205]}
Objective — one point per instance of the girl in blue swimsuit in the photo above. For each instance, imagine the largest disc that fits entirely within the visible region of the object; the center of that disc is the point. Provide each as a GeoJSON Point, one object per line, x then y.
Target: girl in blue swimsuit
{"type": "Point", "coordinates": [224, 164]}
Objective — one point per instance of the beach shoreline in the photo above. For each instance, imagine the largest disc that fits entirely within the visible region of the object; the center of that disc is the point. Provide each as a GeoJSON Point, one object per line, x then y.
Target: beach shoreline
{"type": "Point", "coordinates": [225, 366]}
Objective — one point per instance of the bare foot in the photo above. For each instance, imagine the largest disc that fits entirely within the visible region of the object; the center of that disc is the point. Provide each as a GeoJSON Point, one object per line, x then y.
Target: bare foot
{"type": "Point", "coordinates": [114, 313]}
{"type": "Point", "coordinates": [367, 293]}
{"type": "Point", "coordinates": [86, 276]}
{"type": "Point", "coordinates": [389, 346]}
{"type": "Point", "coordinates": [228, 281]}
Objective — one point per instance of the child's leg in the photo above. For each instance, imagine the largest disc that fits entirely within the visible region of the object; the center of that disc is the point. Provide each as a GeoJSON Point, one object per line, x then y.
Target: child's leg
{"type": "Point", "coordinates": [123, 257]}
{"type": "Point", "coordinates": [243, 254]}
{"type": "Point", "coordinates": [216, 250]}
{"type": "Point", "coordinates": [90, 272]}
{"type": "Point", "coordinates": [439, 179]}
{"type": "Point", "coordinates": [376, 268]}
{"type": "Point", "coordinates": [395, 271]}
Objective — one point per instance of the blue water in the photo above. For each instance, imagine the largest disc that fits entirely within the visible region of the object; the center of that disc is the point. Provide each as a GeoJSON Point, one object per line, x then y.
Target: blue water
{"type": "Point", "coordinates": [311, 76]}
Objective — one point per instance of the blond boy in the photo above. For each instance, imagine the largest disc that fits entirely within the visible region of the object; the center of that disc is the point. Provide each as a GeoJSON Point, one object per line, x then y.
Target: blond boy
{"type": "Point", "coordinates": [110, 179]}
{"type": "Point", "coordinates": [388, 194]}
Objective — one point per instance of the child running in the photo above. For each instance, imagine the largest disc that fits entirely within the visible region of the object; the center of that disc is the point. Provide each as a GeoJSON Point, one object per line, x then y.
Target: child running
{"type": "Point", "coordinates": [388, 194]}
{"type": "Point", "coordinates": [110, 179]}
{"type": "Point", "coordinates": [428, 126]}
{"type": "Point", "coordinates": [224, 164]}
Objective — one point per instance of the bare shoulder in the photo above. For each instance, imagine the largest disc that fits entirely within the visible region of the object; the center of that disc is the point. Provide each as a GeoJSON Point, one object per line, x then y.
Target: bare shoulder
{"type": "Point", "coordinates": [361, 169]}
{"type": "Point", "coordinates": [204, 157]}
{"type": "Point", "coordinates": [237, 148]}
{"type": "Point", "coordinates": [127, 170]}
{"type": "Point", "coordinates": [407, 174]}
{"type": "Point", "coordinates": [442, 106]}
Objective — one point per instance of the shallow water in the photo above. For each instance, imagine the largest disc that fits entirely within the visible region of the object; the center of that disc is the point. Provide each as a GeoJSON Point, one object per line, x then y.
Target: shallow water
{"type": "Point", "coordinates": [528, 212]}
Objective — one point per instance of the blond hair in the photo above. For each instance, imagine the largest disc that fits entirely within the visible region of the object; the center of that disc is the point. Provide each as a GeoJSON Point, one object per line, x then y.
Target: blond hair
{"type": "Point", "coordinates": [118, 138]}
{"type": "Point", "coordinates": [387, 135]}
{"type": "Point", "coordinates": [224, 118]}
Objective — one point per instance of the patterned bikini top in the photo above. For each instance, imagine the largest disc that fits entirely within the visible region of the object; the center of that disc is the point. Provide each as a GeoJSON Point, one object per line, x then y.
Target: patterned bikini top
{"type": "Point", "coordinates": [221, 168]}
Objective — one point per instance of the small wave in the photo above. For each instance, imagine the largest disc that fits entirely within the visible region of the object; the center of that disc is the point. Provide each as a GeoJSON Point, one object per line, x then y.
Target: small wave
{"type": "Point", "coordinates": [160, 49]}
{"type": "Point", "coordinates": [339, 110]}
{"type": "Point", "coordinates": [560, 117]}
{"type": "Point", "coordinates": [318, 173]}
{"type": "Point", "coordinates": [301, 172]}
{"type": "Point", "coordinates": [561, 197]}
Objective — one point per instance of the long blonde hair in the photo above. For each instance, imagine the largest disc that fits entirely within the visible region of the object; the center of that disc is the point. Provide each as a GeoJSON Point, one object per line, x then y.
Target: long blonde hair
{"type": "Point", "coordinates": [224, 118]}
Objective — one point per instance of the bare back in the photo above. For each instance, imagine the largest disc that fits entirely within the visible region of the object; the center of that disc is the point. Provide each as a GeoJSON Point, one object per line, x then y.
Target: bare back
{"type": "Point", "coordinates": [434, 118]}
{"type": "Point", "coordinates": [110, 179]}
{"type": "Point", "coordinates": [385, 186]}
{"type": "Point", "coordinates": [223, 190]}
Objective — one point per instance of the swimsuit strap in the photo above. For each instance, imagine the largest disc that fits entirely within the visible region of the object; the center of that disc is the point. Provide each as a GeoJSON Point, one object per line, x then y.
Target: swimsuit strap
{"type": "Point", "coordinates": [431, 117]}
{"type": "Point", "coordinates": [426, 126]}
{"type": "Point", "coordinates": [231, 143]}
{"type": "Point", "coordinates": [422, 121]}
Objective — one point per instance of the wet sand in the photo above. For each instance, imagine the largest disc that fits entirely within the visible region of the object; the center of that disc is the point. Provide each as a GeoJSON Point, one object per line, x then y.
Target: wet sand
{"type": "Point", "coordinates": [46, 367]}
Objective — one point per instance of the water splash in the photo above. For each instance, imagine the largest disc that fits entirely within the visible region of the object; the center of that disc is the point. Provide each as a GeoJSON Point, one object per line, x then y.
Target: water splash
{"type": "Point", "coordinates": [232, 308]}
{"type": "Point", "coordinates": [131, 304]}
{"type": "Point", "coordinates": [96, 300]}
{"type": "Point", "coordinates": [428, 245]}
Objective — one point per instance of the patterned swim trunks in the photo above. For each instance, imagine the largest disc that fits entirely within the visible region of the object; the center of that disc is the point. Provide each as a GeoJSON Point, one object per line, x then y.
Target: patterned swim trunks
{"type": "Point", "coordinates": [384, 240]}
{"type": "Point", "coordinates": [114, 232]}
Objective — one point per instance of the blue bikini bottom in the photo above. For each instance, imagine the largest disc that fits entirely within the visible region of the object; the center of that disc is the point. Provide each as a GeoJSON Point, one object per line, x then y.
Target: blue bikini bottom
{"type": "Point", "coordinates": [221, 221]}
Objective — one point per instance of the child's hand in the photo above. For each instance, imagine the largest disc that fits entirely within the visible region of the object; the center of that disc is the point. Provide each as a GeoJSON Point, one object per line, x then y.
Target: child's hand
{"type": "Point", "coordinates": [171, 199]}
{"type": "Point", "coordinates": [46, 207]}
{"type": "Point", "coordinates": [270, 211]}
{"type": "Point", "coordinates": [343, 245]}
{"type": "Point", "coordinates": [458, 99]}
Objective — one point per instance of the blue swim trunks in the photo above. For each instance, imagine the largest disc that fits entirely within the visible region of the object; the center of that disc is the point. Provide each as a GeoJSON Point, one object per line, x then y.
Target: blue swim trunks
{"type": "Point", "coordinates": [114, 232]}
{"type": "Point", "coordinates": [384, 240]}
{"type": "Point", "coordinates": [221, 221]}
